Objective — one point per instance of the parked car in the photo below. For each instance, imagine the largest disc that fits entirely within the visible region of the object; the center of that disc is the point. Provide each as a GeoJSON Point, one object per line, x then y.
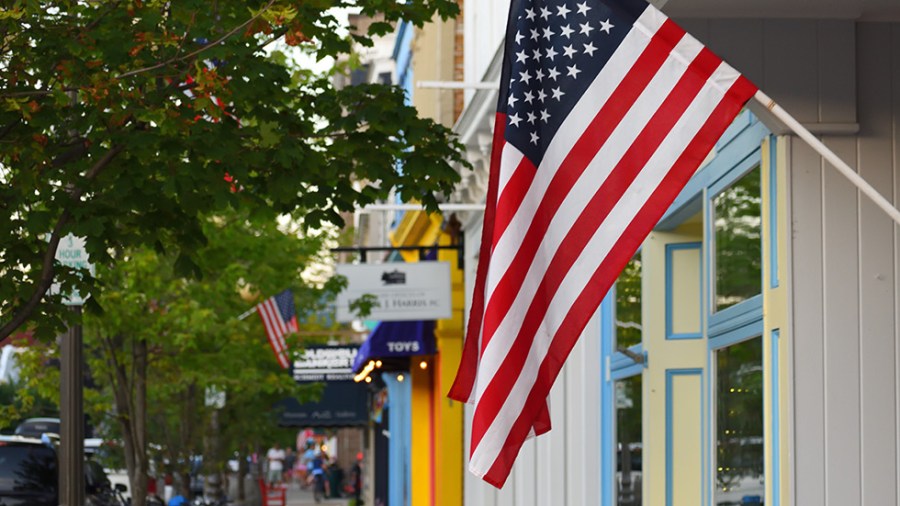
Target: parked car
{"type": "Point", "coordinates": [28, 475]}
{"type": "Point", "coordinates": [36, 427]}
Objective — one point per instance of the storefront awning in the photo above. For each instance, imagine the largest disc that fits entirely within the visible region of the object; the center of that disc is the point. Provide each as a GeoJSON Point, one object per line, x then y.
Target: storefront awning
{"type": "Point", "coordinates": [398, 339]}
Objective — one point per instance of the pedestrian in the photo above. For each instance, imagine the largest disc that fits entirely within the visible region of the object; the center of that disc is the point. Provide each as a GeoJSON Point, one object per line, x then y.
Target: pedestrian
{"type": "Point", "coordinates": [356, 481]}
{"type": "Point", "coordinates": [290, 458]}
{"type": "Point", "coordinates": [275, 458]}
{"type": "Point", "coordinates": [306, 463]}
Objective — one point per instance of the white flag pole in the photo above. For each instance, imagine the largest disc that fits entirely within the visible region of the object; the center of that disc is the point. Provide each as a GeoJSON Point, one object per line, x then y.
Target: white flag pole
{"type": "Point", "coordinates": [247, 313]}
{"type": "Point", "coordinates": [829, 155]}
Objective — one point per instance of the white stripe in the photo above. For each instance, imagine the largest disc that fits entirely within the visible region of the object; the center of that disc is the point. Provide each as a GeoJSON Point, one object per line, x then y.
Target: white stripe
{"type": "Point", "coordinates": [509, 160]}
{"type": "Point", "coordinates": [598, 248]}
{"type": "Point", "coordinates": [273, 329]}
{"type": "Point", "coordinates": [594, 176]}
{"type": "Point", "coordinates": [597, 94]}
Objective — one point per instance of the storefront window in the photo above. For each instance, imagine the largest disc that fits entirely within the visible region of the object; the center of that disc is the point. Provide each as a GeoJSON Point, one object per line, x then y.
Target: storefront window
{"type": "Point", "coordinates": [738, 249]}
{"type": "Point", "coordinates": [739, 424]}
{"type": "Point", "coordinates": [629, 455]}
{"type": "Point", "coordinates": [628, 305]}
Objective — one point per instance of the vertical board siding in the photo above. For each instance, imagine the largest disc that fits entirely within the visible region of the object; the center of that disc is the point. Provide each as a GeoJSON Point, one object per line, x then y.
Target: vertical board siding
{"type": "Point", "coordinates": [790, 72]}
{"type": "Point", "coordinates": [808, 359]}
{"type": "Point", "coordinates": [877, 273]}
{"type": "Point", "coordinates": [836, 81]}
{"type": "Point", "coordinates": [561, 467]}
{"type": "Point", "coordinates": [841, 290]}
{"type": "Point", "coordinates": [844, 271]}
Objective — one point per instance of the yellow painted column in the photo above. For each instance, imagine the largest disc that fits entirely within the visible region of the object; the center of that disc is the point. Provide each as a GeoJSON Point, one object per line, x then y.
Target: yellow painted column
{"type": "Point", "coordinates": [676, 373]}
{"type": "Point", "coordinates": [422, 440]}
{"type": "Point", "coordinates": [776, 323]}
{"type": "Point", "coordinates": [449, 436]}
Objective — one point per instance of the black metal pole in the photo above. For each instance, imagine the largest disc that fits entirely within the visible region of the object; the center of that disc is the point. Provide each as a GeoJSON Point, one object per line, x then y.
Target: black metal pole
{"type": "Point", "coordinates": [71, 447]}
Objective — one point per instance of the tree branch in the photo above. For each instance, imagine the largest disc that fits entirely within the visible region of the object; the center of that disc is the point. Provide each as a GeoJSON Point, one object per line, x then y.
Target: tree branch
{"type": "Point", "coordinates": [47, 274]}
{"type": "Point", "coordinates": [198, 51]}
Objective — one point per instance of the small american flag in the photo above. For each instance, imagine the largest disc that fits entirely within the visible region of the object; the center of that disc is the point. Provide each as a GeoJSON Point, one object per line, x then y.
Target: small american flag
{"type": "Point", "coordinates": [606, 109]}
{"type": "Point", "coordinates": [279, 319]}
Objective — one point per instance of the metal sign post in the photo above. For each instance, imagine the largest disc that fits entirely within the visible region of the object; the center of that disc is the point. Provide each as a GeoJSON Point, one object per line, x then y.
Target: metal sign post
{"type": "Point", "coordinates": [71, 253]}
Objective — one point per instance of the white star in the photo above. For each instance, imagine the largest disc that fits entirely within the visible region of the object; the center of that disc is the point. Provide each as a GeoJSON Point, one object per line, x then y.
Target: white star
{"type": "Point", "coordinates": [534, 34]}
{"type": "Point", "coordinates": [541, 95]}
{"type": "Point", "coordinates": [531, 117]}
{"type": "Point", "coordinates": [515, 119]}
{"type": "Point", "coordinates": [586, 28]}
{"type": "Point", "coordinates": [519, 37]}
{"type": "Point", "coordinates": [537, 54]}
{"type": "Point", "coordinates": [551, 53]}
{"type": "Point", "coordinates": [529, 13]}
{"type": "Point", "coordinates": [562, 10]}
{"type": "Point", "coordinates": [524, 77]}
{"type": "Point", "coordinates": [558, 93]}
{"type": "Point", "coordinates": [569, 50]}
{"type": "Point", "coordinates": [548, 33]}
{"type": "Point", "coordinates": [545, 12]}
{"type": "Point", "coordinates": [567, 31]}
{"type": "Point", "coordinates": [545, 116]}
{"type": "Point", "coordinates": [589, 48]}
{"type": "Point", "coordinates": [605, 26]}
{"type": "Point", "coordinates": [512, 100]}
{"type": "Point", "coordinates": [583, 8]}
{"type": "Point", "coordinates": [521, 56]}
{"type": "Point", "coordinates": [573, 71]}
{"type": "Point", "coordinates": [553, 73]}
{"type": "Point", "coordinates": [539, 75]}
{"type": "Point", "coordinates": [534, 138]}
{"type": "Point", "coordinates": [529, 97]}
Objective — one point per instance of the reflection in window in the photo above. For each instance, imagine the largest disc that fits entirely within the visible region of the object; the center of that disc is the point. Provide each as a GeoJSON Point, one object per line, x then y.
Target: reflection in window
{"type": "Point", "coordinates": [628, 305]}
{"type": "Point", "coordinates": [739, 424]}
{"type": "Point", "coordinates": [629, 461]}
{"type": "Point", "coordinates": [737, 222]}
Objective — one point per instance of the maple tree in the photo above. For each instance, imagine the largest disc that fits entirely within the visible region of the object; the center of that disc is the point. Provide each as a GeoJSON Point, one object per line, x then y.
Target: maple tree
{"type": "Point", "coordinates": [125, 122]}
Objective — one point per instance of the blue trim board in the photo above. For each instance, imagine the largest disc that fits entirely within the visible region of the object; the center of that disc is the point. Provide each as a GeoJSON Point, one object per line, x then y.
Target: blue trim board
{"type": "Point", "coordinates": [739, 142]}
{"type": "Point", "coordinates": [621, 366]}
{"type": "Point", "coordinates": [773, 213]}
{"type": "Point", "coordinates": [670, 249]}
{"type": "Point", "coordinates": [607, 401]}
{"type": "Point", "coordinates": [399, 443]}
{"type": "Point", "coordinates": [775, 437]}
{"type": "Point", "coordinates": [736, 316]}
{"type": "Point", "coordinates": [670, 375]}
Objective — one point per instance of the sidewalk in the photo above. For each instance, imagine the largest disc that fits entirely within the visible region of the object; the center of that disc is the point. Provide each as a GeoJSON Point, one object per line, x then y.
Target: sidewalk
{"type": "Point", "coordinates": [297, 497]}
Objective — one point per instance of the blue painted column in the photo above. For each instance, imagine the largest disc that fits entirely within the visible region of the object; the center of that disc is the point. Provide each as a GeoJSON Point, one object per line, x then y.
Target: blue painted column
{"type": "Point", "coordinates": [399, 474]}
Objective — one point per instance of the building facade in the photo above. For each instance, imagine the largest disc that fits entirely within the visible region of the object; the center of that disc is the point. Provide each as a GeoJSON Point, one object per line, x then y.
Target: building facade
{"type": "Point", "coordinates": [750, 353]}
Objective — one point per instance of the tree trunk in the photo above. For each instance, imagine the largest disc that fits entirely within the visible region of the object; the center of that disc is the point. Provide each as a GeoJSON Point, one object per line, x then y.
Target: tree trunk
{"type": "Point", "coordinates": [139, 421]}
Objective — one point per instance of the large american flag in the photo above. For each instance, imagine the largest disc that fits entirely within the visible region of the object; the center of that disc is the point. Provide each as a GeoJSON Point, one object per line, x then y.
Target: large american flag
{"type": "Point", "coordinates": [606, 109]}
{"type": "Point", "coordinates": [279, 319]}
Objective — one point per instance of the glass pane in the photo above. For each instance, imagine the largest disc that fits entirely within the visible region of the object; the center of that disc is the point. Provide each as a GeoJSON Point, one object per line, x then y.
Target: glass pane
{"type": "Point", "coordinates": [738, 225]}
{"type": "Point", "coordinates": [629, 461]}
{"type": "Point", "coordinates": [628, 305]}
{"type": "Point", "coordinates": [739, 424]}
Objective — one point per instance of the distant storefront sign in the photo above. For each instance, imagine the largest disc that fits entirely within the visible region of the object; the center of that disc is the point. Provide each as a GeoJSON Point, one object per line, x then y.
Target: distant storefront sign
{"type": "Point", "coordinates": [343, 402]}
{"type": "Point", "coordinates": [325, 363]}
{"type": "Point", "coordinates": [402, 291]}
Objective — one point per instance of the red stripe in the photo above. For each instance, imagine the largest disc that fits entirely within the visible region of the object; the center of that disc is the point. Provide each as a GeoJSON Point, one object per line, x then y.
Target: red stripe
{"type": "Point", "coordinates": [271, 333]}
{"type": "Point", "coordinates": [513, 193]}
{"type": "Point", "coordinates": [603, 278]}
{"type": "Point", "coordinates": [603, 125]}
{"type": "Point", "coordinates": [589, 220]}
{"type": "Point", "coordinates": [462, 386]}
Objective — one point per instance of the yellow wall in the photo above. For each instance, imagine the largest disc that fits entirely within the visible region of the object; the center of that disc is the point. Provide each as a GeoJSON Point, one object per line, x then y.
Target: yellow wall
{"type": "Point", "coordinates": [679, 358]}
